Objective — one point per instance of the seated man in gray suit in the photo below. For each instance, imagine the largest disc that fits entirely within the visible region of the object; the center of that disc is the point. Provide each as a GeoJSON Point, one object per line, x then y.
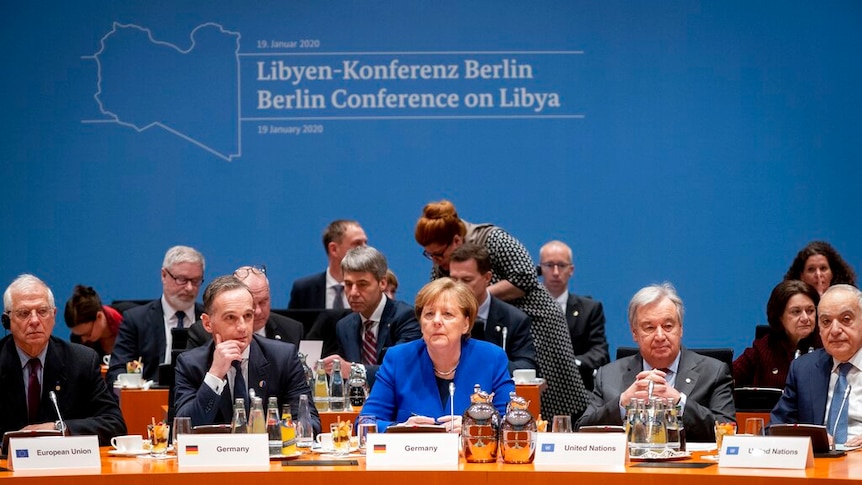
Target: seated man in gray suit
{"type": "Point", "coordinates": [497, 321]}
{"type": "Point", "coordinates": [266, 324]}
{"type": "Point", "coordinates": [377, 322]}
{"type": "Point", "coordinates": [209, 378]}
{"type": "Point", "coordinates": [701, 386]}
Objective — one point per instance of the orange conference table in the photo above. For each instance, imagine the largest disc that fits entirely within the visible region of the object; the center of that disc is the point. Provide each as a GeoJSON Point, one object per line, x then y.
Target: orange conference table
{"type": "Point", "coordinates": [136, 471]}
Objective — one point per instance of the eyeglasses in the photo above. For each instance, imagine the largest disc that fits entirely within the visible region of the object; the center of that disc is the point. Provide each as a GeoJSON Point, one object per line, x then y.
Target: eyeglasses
{"type": "Point", "coordinates": [24, 314]}
{"type": "Point", "coordinates": [439, 255]}
{"type": "Point", "coordinates": [183, 281]}
{"type": "Point", "coordinates": [553, 266]}
{"type": "Point", "coordinates": [242, 273]}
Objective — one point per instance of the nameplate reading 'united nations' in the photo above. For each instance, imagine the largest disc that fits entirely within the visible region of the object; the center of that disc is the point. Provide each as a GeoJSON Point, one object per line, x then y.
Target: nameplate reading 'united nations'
{"type": "Point", "coordinates": [412, 451]}
{"type": "Point", "coordinates": [606, 450]}
{"type": "Point", "coordinates": [54, 452]}
{"type": "Point", "coordinates": [766, 452]}
{"type": "Point", "coordinates": [223, 450]}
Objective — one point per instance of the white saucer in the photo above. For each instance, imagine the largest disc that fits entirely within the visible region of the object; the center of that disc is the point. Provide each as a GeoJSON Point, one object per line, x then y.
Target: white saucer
{"type": "Point", "coordinates": [128, 452]}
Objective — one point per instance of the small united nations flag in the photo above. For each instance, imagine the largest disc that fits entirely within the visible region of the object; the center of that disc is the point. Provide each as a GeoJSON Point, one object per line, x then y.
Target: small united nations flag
{"type": "Point", "coordinates": [547, 447]}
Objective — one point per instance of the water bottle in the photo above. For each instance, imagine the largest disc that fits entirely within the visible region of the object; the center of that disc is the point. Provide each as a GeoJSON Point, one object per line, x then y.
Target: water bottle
{"type": "Point", "coordinates": [309, 374]}
{"type": "Point", "coordinates": [672, 426]}
{"type": "Point", "coordinates": [273, 427]}
{"type": "Point", "coordinates": [239, 424]}
{"type": "Point", "coordinates": [638, 439]}
{"type": "Point", "coordinates": [288, 432]}
{"type": "Point", "coordinates": [681, 427]}
{"type": "Point", "coordinates": [321, 388]}
{"type": "Point", "coordinates": [304, 429]}
{"type": "Point", "coordinates": [656, 425]}
{"type": "Point", "coordinates": [357, 386]}
{"type": "Point", "coordinates": [256, 419]}
{"type": "Point", "coordinates": [336, 388]}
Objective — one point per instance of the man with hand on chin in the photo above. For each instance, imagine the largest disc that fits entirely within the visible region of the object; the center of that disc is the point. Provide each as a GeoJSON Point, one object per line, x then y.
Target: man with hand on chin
{"type": "Point", "coordinates": [210, 377]}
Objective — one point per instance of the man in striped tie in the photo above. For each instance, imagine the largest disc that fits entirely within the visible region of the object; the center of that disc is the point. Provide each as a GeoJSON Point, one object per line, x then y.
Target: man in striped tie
{"type": "Point", "coordinates": [824, 387]}
{"type": "Point", "coordinates": [377, 322]}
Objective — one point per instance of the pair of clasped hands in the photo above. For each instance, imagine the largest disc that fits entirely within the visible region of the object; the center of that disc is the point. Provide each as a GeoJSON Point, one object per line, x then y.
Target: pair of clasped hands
{"type": "Point", "coordinates": [640, 388]}
{"type": "Point", "coordinates": [452, 424]}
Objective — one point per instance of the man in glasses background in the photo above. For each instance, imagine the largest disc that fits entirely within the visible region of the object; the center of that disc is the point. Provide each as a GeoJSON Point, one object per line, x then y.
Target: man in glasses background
{"type": "Point", "coordinates": [266, 324]}
{"type": "Point", "coordinates": [584, 316]}
{"type": "Point", "coordinates": [146, 329]}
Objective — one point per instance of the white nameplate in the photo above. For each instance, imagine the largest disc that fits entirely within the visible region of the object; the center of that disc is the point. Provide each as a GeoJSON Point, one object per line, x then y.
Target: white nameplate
{"type": "Point", "coordinates": [412, 451]}
{"type": "Point", "coordinates": [606, 450]}
{"type": "Point", "coordinates": [766, 452]}
{"type": "Point", "coordinates": [54, 452]}
{"type": "Point", "coordinates": [223, 450]}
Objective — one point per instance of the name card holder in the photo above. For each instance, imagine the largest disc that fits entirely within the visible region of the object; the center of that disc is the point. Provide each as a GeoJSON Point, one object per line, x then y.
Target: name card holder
{"type": "Point", "coordinates": [412, 451]}
{"type": "Point", "coordinates": [223, 450]}
{"type": "Point", "coordinates": [55, 452]}
{"type": "Point", "coordinates": [579, 450]}
{"type": "Point", "coordinates": [739, 451]}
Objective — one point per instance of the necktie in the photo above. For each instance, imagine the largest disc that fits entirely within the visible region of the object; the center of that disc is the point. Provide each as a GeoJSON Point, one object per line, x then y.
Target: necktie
{"type": "Point", "coordinates": [181, 317]}
{"type": "Point", "coordinates": [239, 388]}
{"type": "Point", "coordinates": [34, 390]}
{"type": "Point", "coordinates": [338, 302]}
{"type": "Point", "coordinates": [369, 345]}
{"type": "Point", "coordinates": [836, 405]}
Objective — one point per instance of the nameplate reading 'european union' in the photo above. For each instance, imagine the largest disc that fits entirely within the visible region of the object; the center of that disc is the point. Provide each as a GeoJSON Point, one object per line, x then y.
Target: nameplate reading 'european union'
{"type": "Point", "coordinates": [412, 451]}
{"type": "Point", "coordinates": [742, 451]}
{"type": "Point", "coordinates": [577, 450]}
{"type": "Point", "coordinates": [223, 450]}
{"type": "Point", "coordinates": [54, 452]}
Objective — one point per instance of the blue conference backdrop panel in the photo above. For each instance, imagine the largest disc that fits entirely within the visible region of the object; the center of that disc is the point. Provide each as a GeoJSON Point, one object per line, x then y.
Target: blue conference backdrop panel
{"type": "Point", "coordinates": [701, 143]}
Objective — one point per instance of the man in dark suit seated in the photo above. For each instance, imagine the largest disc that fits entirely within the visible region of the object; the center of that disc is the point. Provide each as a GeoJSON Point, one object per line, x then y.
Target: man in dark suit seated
{"type": "Point", "coordinates": [33, 364]}
{"type": "Point", "coordinates": [211, 377]}
{"type": "Point", "coordinates": [146, 329]}
{"type": "Point", "coordinates": [701, 386]}
{"type": "Point", "coordinates": [377, 322]}
{"type": "Point", "coordinates": [824, 387]}
{"type": "Point", "coordinates": [326, 289]}
{"type": "Point", "coordinates": [584, 316]}
{"type": "Point", "coordinates": [497, 321]}
{"type": "Point", "coordinates": [266, 324]}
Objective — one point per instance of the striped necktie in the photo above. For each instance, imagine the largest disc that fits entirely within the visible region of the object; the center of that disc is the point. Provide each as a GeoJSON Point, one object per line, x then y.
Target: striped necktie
{"type": "Point", "coordinates": [369, 344]}
{"type": "Point", "coordinates": [838, 407]}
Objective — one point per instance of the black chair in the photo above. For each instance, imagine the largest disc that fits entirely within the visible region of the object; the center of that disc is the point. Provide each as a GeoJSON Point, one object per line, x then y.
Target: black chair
{"type": "Point", "coordinates": [756, 399]}
{"type": "Point", "coordinates": [723, 354]}
{"type": "Point", "coordinates": [761, 330]}
{"type": "Point", "coordinates": [305, 316]}
{"type": "Point", "coordinates": [123, 305]}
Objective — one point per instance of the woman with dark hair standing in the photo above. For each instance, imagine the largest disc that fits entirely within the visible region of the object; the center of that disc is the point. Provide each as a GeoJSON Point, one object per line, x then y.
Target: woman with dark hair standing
{"type": "Point", "coordinates": [820, 265]}
{"type": "Point", "coordinates": [93, 324]}
{"type": "Point", "coordinates": [439, 231]}
{"type": "Point", "coordinates": [792, 315]}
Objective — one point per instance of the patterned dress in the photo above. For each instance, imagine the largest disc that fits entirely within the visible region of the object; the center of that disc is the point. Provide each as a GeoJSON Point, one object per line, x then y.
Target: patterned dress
{"type": "Point", "coordinates": [511, 261]}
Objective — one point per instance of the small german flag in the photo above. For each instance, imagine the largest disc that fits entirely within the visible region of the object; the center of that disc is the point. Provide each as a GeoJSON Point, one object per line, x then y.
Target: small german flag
{"type": "Point", "coordinates": [191, 449]}
{"type": "Point", "coordinates": [380, 448]}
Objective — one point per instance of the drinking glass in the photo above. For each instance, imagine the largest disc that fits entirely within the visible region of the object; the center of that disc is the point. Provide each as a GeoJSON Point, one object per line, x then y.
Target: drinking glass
{"type": "Point", "coordinates": [364, 426]}
{"type": "Point", "coordinates": [340, 437]}
{"type": "Point", "coordinates": [754, 426]}
{"type": "Point", "coordinates": [721, 430]}
{"type": "Point", "coordinates": [182, 425]}
{"type": "Point", "coordinates": [158, 435]}
{"type": "Point", "coordinates": [562, 424]}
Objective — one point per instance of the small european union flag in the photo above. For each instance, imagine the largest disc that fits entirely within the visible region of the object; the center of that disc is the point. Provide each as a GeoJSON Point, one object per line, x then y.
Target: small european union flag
{"type": "Point", "coordinates": [22, 454]}
{"type": "Point", "coordinates": [732, 450]}
{"type": "Point", "coordinates": [547, 447]}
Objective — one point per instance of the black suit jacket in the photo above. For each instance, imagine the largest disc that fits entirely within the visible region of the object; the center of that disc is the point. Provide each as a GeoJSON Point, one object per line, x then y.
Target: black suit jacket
{"type": "Point", "coordinates": [705, 381]}
{"type": "Point", "coordinates": [397, 325]}
{"type": "Point", "coordinates": [142, 334]}
{"type": "Point", "coordinates": [73, 372]}
{"type": "Point", "coordinates": [274, 370]}
{"type": "Point", "coordinates": [278, 327]}
{"type": "Point", "coordinates": [519, 348]}
{"type": "Point", "coordinates": [586, 320]}
{"type": "Point", "coordinates": [308, 292]}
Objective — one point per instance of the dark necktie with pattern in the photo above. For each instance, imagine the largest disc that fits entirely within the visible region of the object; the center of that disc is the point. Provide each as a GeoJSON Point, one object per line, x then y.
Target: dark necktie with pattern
{"type": "Point", "coordinates": [369, 345]}
{"type": "Point", "coordinates": [338, 302]}
{"type": "Point", "coordinates": [838, 407]}
{"type": "Point", "coordinates": [34, 390]}
{"type": "Point", "coordinates": [240, 390]}
{"type": "Point", "coordinates": [181, 318]}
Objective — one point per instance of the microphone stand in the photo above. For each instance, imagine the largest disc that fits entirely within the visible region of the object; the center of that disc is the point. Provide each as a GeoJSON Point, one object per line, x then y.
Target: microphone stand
{"type": "Point", "coordinates": [452, 405]}
{"type": "Point", "coordinates": [53, 396]}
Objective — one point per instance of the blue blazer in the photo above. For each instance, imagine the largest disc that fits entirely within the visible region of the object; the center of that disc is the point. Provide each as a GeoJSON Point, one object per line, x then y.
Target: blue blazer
{"type": "Point", "coordinates": [274, 370]}
{"type": "Point", "coordinates": [142, 334]}
{"type": "Point", "coordinates": [397, 325]}
{"type": "Point", "coordinates": [308, 292]}
{"type": "Point", "coordinates": [804, 396]}
{"type": "Point", "coordinates": [519, 339]}
{"type": "Point", "coordinates": [406, 383]}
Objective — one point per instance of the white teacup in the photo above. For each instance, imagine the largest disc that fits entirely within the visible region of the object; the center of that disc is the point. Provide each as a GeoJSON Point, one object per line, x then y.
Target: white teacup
{"type": "Point", "coordinates": [106, 359]}
{"type": "Point", "coordinates": [324, 440]}
{"type": "Point", "coordinates": [131, 442]}
{"type": "Point", "coordinates": [524, 376]}
{"type": "Point", "coordinates": [130, 380]}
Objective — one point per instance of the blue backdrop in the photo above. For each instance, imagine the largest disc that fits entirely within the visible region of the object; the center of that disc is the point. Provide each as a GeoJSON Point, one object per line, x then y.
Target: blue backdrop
{"type": "Point", "coordinates": [703, 143]}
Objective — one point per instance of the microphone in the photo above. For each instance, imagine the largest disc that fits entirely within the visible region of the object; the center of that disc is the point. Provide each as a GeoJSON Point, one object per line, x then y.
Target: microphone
{"type": "Point", "coordinates": [505, 334]}
{"type": "Point", "coordinates": [53, 397]}
{"type": "Point", "coordinates": [452, 405]}
{"type": "Point", "coordinates": [840, 410]}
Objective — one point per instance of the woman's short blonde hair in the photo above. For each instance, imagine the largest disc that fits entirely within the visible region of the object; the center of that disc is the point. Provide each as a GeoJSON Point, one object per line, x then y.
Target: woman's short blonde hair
{"type": "Point", "coordinates": [448, 288]}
